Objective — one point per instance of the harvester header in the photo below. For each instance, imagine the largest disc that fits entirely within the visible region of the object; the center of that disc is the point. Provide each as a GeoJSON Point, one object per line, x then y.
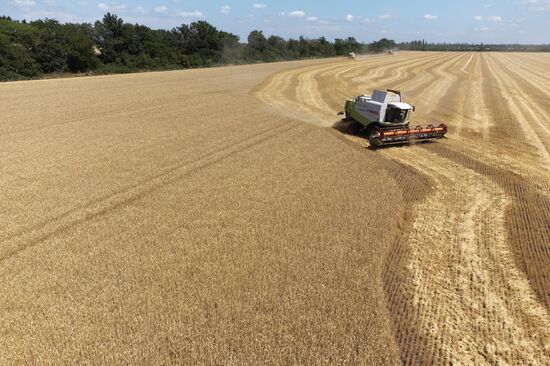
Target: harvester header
{"type": "Point", "coordinates": [385, 118]}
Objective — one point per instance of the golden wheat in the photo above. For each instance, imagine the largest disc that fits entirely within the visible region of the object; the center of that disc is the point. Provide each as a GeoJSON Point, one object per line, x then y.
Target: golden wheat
{"type": "Point", "coordinates": [218, 217]}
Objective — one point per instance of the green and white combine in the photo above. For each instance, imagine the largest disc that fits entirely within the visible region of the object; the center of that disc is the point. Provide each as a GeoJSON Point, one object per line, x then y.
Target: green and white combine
{"type": "Point", "coordinates": [384, 119]}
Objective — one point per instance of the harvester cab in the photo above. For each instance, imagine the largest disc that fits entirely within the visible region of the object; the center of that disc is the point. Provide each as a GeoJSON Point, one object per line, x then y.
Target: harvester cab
{"type": "Point", "coordinates": [384, 117]}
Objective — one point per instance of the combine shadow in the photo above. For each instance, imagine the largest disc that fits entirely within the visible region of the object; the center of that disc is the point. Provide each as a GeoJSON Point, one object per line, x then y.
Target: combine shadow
{"type": "Point", "coordinates": [342, 127]}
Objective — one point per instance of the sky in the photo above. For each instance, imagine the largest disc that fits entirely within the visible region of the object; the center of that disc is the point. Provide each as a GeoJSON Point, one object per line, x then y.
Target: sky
{"type": "Point", "coordinates": [488, 21]}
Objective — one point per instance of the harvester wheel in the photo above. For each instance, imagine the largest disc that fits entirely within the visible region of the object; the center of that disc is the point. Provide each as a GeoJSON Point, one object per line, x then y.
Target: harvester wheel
{"type": "Point", "coordinates": [373, 133]}
{"type": "Point", "coordinates": [354, 128]}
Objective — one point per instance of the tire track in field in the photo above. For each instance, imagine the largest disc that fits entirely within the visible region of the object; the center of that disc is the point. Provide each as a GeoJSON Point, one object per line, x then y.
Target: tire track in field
{"type": "Point", "coordinates": [453, 284]}
{"type": "Point", "coordinates": [294, 93]}
{"type": "Point", "coordinates": [428, 93]}
{"type": "Point", "coordinates": [417, 72]}
{"type": "Point", "coordinates": [304, 99]}
{"type": "Point", "coordinates": [526, 83]}
{"type": "Point", "coordinates": [508, 145]}
{"type": "Point", "coordinates": [527, 218]}
{"type": "Point", "coordinates": [339, 86]}
{"type": "Point", "coordinates": [309, 95]}
{"type": "Point", "coordinates": [91, 114]}
{"type": "Point", "coordinates": [390, 72]}
{"type": "Point", "coordinates": [534, 67]}
{"type": "Point", "coordinates": [340, 82]}
{"type": "Point", "coordinates": [431, 94]}
{"type": "Point", "coordinates": [308, 91]}
{"type": "Point", "coordinates": [522, 109]}
{"type": "Point", "coordinates": [460, 295]}
{"type": "Point", "coordinates": [450, 245]}
{"type": "Point", "coordinates": [466, 121]}
{"type": "Point", "coordinates": [14, 243]}
{"type": "Point", "coordinates": [421, 74]}
{"type": "Point", "coordinates": [518, 172]}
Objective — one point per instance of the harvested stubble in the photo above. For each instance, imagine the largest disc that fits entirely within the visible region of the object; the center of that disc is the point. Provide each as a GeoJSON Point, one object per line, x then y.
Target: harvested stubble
{"type": "Point", "coordinates": [468, 280]}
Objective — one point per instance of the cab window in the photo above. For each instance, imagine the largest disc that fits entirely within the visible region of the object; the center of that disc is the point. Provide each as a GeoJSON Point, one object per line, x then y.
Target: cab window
{"type": "Point", "coordinates": [396, 115]}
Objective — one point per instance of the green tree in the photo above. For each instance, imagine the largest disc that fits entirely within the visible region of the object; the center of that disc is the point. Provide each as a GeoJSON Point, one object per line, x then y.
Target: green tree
{"type": "Point", "coordinates": [257, 45]}
{"type": "Point", "coordinates": [80, 49]}
{"type": "Point", "coordinates": [108, 36]}
{"type": "Point", "coordinates": [382, 45]}
{"type": "Point", "coordinates": [17, 42]}
{"type": "Point", "coordinates": [63, 47]}
{"type": "Point", "coordinates": [203, 40]}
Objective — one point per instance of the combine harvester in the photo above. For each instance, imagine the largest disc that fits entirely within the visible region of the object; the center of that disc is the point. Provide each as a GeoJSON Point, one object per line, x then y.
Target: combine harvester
{"type": "Point", "coordinates": [384, 119]}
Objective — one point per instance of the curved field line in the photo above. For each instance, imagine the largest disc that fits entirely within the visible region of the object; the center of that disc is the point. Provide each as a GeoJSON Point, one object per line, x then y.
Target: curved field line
{"type": "Point", "coordinates": [527, 81]}
{"type": "Point", "coordinates": [13, 243]}
{"type": "Point", "coordinates": [523, 110]}
{"type": "Point", "coordinates": [454, 286]}
{"type": "Point", "coordinates": [468, 299]}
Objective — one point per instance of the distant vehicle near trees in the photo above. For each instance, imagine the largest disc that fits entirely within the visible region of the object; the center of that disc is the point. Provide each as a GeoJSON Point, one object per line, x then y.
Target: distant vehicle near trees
{"type": "Point", "coordinates": [33, 49]}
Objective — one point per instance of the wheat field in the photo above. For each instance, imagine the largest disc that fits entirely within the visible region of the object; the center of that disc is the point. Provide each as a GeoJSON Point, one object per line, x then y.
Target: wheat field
{"type": "Point", "coordinates": [220, 216]}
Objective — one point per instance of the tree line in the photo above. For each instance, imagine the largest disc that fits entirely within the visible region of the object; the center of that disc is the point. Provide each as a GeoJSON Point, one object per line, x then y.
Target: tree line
{"type": "Point", "coordinates": [37, 48]}
{"type": "Point", "coordinates": [422, 45]}
{"type": "Point", "coordinates": [33, 49]}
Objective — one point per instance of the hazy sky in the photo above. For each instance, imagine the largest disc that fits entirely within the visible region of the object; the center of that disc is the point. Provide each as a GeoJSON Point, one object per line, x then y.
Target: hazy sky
{"type": "Point", "coordinates": [506, 21]}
